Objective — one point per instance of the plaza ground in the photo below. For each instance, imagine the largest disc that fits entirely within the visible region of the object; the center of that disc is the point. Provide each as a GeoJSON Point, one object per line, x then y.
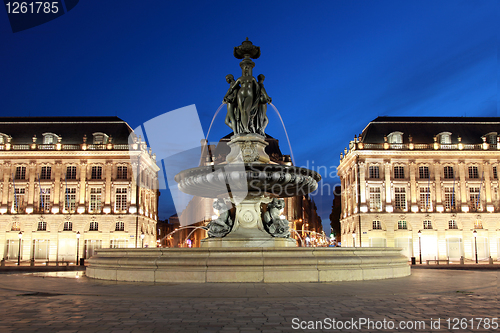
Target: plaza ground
{"type": "Point", "coordinates": [41, 303]}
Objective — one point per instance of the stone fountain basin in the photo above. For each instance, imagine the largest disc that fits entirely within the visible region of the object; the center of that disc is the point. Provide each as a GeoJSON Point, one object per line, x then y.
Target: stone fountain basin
{"type": "Point", "coordinates": [253, 178]}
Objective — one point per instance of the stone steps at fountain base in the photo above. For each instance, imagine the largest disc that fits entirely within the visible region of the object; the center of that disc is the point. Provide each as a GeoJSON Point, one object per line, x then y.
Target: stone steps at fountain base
{"type": "Point", "coordinates": [268, 265]}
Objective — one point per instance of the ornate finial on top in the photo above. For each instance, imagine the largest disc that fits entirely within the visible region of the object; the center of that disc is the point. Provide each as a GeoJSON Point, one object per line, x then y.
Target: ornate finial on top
{"type": "Point", "coordinates": [246, 50]}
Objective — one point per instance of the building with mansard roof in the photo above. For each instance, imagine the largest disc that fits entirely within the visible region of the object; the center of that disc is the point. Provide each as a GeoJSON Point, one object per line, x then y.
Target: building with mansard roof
{"type": "Point", "coordinates": [426, 184]}
{"type": "Point", "coordinates": [68, 187]}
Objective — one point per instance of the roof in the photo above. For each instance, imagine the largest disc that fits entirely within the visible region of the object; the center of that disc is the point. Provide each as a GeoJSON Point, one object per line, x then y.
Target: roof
{"type": "Point", "coordinates": [71, 129]}
{"type": "Point", "coordinates": [423, 129]}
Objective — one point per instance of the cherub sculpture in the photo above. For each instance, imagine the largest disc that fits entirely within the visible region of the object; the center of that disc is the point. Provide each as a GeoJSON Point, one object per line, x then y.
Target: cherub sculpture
{"type": "Point", "coordinates": [276, 226]}
{"type": "Point", "coordinates": [222, 225]}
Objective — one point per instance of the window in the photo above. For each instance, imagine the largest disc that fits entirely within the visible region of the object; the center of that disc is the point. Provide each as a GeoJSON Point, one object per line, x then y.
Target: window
{"type": "Point", "coordinates": [121, 172]}
{"type": "Point", "coordinates": [375, 202]}
{"type": "Point", "coordinates": [495, 174]}
{"type": "Point", "coordinates": [118, 243]}
{"type": "Point", "coordinates": [423, 172]}
{"type": "Point", "coordinates": [478, 224]}
{"type": "Point", "coordinates": [373, 172]}
{"type": "Point", "coordinates": [68, 226]}
{"type": "Point", "coordinates": [449, 198]}
{"type": "Point", "coordinates": [400, 198]}
{"type": "Point", "coordinates": [399, 172]}
{"type": "Point", "coordinates": [377, 225]}
{"type": "Point", "coordinates": [95, 200]}
{"type": "Point", "coordinates": [70, 199]}
{"type": "Point", "coordinates": [445, 138]}
{"type": "Point", "coordinates": [44, 200]}
{"type": "Point", "coordinates": [448, 172]}
{"type": "Point", "coordinates": [425, 198]}
{"type": "Point", "coordinates": [71, 172]}
{"type": "Point", "coordinates": [46, 172]}
{"type": "Point", "coordinates": [49, 138]}
{"type": "Point", "coordinates": [100, 138]}
{"type": "Point", "coordinates": [19, 204]}
{"type": "Point", "coordinates": [20, 172]}
{"type": "Point", "coordinates": [395, 137]}
{"type": "Point", "coordinates": [42, 226]}
{"type": "Point", "coordinates": [474, 195]}
{"type": "Point", "coordinates": [96, 172]}
{"type": "Point", "coordinates": [427, 224]}
{"type": "Point", "coordinates": [121, 199]}
{"type": "Point", "coordinates": [120, 226]}
{"type": "Point", "coordinates": [402, 225]}
{"type": "Point", "coordinates": [492, 138]}
{"type": "Point", "coordinates": [473, 172]}
{"type": "Point", "coordinates": [452, 224]}
{"type": "Point", "coordinates": [94, 226]}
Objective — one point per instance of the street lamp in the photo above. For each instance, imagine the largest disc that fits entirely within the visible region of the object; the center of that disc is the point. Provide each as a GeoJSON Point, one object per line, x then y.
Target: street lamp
{"type": "Point", "coordinates": [420, 245]}
{"type": "Point", "coordinates": [142, 238]}
{"type": "Point", "coordinates": [78, 248]}
{"type": "Point", "coordinates": [354, 239]}
{"type": "Point", "coordinates": [475, 242]}
{"type": "Point", "coordinates": [19, 254]}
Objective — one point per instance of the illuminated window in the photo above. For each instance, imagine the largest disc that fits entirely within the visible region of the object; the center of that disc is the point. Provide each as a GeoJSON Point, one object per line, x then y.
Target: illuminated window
{"type": "Point", "coordinates": [373, 171]}
{"type": "Point", "coordinates": [121, 199]}
{"type": "Point", "coordinates": [95, 200]}
{"type": "Point", "coordinates": [94, 226]}
{"type": "Point", "coordinates": [120, 226]}
{"type": "Point", "coordinates": [395, 137]}
{"type": "Point", "coordinates": [402, 225]}
{"type": "Point", "coordinates": [400, 198]}
{"type": "Point", "coordinates": [448, 172]}
{"type": "Point", "coordinates": [449, 198]}
{"type": "Point", "coordinates": [68, 226]}
{"type": "Point", "coordinates": [100, 138]}
{"type": "Point", "coordinates": [121, 172]}
{"type": "Point", "coordinates": [376, 225]}
{"type": "Point", "coordinates": [15, 226]}
{"type": "Point", "coordinates": [495, 174]}
{"type": "Point", "coordinates": [375, 202]}
{"type": "Point", "coordinates": [42, 226]}
{"type": "Point", "coordinates": [70, 199]}
{"type": "Point", "coordinates": [45, 172]}
{"type": "Point", "coordinates": [399, 172]}
{"type": "Point", "coordinates": [427, 224]}
{"type": "Point", "coordinates": [118, 243]}
{"type": "Point", "coordinates": [478, 224]}
{"type": "Point", "coordinates": [71, 172]}
{"type": "Point", "coordinates": [425, 198]}
{"type": "Point", "coordinates": [445, 138]}
{"type": "Point", "coordinates": [423, 172]}
{"type": "Point", "coordinates": [20, 172]}
{"type": "Point", "coordinates": [473, 172]}
{"type": "Point", "coordinates": [452, 224]}
{"type": "Point", "coordinates": [96, 172]}
{"type": "Point", "coordinates": [44, 200]}
{"type": "Point", "coordinates": [19, 200]}
{"type": "Point", "coordinates": [49, 138]}
{"type": "Point", "coordinates": [474, 195]}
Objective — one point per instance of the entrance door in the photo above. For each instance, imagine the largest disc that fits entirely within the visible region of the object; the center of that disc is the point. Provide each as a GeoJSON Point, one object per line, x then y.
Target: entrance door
{"type": "Point", "coordinates": [455, 248]}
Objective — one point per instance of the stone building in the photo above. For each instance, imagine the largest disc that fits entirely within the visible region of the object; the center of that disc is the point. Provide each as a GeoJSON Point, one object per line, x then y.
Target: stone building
{"type": "Point", "coordinates": [70, 180]}
{"type": "Point", "coordinates": [300, 211]}
{"type": "Point", "coordinates": [426, 184]}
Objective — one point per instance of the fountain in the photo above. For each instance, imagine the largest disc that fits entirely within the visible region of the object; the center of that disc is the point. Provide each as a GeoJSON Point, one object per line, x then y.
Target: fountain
{"type": "Point", "coordinates": [249, 240]}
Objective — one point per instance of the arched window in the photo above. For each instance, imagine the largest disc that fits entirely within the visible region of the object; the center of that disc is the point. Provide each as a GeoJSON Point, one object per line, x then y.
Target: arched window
{"type": "Point", "coordinates": [444, 138]}
{"type": "Point", "coordinates": [50, 138]}
{"type": "Point", "coordinates": [452, 224]}
{"type": "Point", "coordinates": [491, 138]}
{"type": "Point", "coordinates": [68, 226]}
{"type": "Point", "coordinates": [100, 138]}
{"type": "Point", "coordinates": [395, 137]}
{"type": "Point", "coordinates": [120, 226]}
{"type": "Point", "coordinates": [427, 224]}
{"type": "Point", "coordinates": [42, 226]}
{"type": "Point", "coordinates": [94, 226]}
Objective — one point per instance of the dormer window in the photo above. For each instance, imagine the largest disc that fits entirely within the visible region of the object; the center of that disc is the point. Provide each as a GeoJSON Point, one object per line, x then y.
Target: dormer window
{"type": "Point", "coordinates": [445, 138]}
{"type": "Point", "coordinates": [491, 138]}
{"type": "Point", "coordinates": [395, 137]}
{"type": "Point", "coordinates": [3, 138]}
{"type": "Point", "coordinates": [50, 138]}
{"type": "Point", "coordinates": [100, 138]}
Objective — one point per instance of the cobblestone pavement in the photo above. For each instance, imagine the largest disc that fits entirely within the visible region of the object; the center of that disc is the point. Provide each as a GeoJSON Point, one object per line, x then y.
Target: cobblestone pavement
{"type": "Point", "coordinates": [37, 303]}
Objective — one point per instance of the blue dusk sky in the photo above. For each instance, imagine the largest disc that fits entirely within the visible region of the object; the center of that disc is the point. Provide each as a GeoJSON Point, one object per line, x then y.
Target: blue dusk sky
{"type": "Point", "coordinates": [331, 66]}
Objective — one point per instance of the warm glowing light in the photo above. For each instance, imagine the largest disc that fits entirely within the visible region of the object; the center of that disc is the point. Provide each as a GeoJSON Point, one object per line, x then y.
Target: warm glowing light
{"type": "Point", "coordinates": [465, 209]}
{"type": "Point", "coordinates": [55, 210]}
{"type": "Point", "coordinates": [490, 209]}
{"type": "Point", "coordinates": [419, 233]}
{"type": "Point", "coordinates": [132, 210]}
{"type": "Point", "coordinates": [474, 233]}
{"type": "Point", "coordinates": [106, 210]}
{"type": "Point", "coordinates": [440, 209]}
{"type": "Point", "coordinates": [364, 209]}
{"type": "Point", "coordinates": [81, 210]}
{"type": "Point", "coordinates": [29, 210]}
{"type": "Point", "coordinates": [389, 209]}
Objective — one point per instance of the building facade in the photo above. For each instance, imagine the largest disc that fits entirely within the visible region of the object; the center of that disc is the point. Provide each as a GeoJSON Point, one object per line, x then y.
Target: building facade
{"type": "Point", "coordinates": [426, 184]}
{"type": "Point", "coordinates": [68, 186]}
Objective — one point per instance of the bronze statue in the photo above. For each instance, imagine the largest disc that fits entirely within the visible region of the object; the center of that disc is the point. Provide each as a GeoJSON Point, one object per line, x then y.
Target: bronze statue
{"type": "Point", "coordinates": [246, 98]}
{"type": "Point", "coordinates": [222, 225]}
{"type": "Point", "coordinates": [276, 226]}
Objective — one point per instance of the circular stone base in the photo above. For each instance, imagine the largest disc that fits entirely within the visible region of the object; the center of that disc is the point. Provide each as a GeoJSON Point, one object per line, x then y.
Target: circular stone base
{"type": "Point", "coordinates": [271, 265]}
